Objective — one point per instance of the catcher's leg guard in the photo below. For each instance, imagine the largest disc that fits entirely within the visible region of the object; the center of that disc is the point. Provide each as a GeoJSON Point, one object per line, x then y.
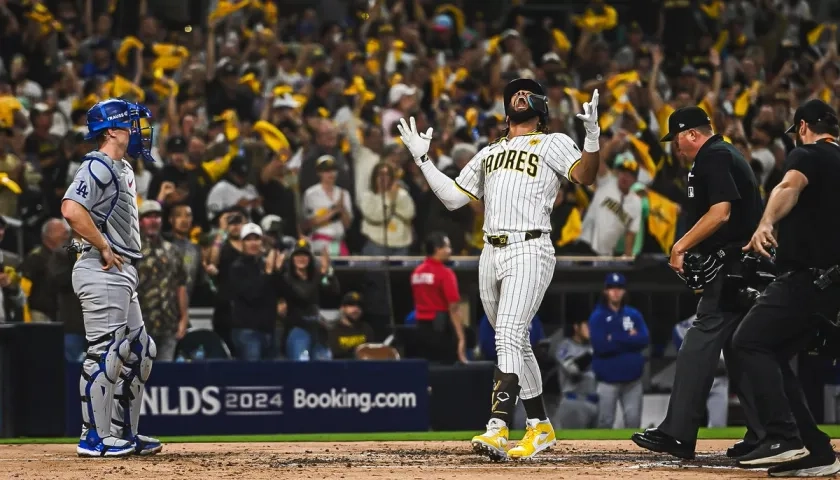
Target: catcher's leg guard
{"type": "Point", "coordinates": [100, 370]}
{"type": "Point", "coordinates": [128, 398]}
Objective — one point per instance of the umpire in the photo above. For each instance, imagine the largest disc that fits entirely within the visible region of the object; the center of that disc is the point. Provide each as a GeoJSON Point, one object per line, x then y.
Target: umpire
{"type": "Point", "coordinates": [724, 206]}
{"type": "Point", "coordinates": [805, 207]}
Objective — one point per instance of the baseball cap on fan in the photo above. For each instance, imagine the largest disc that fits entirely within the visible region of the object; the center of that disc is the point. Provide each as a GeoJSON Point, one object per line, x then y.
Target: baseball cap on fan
{"type": "Point", "coordinates": [399, 91]}
{"type": "Point", "coordinates": [685, 119]}
{"type": "Point", "coordinates": [250, 229]}
{"type": "Point", "coordinates": [813, 112]}
{"type": "Point", "coordinates": [615, 280]}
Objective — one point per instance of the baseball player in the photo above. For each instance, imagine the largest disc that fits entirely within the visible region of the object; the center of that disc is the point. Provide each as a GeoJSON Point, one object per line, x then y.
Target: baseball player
{"type": "Point", "coordinates": [101, 207]}
{"type": "Point", "coordinates": [518, 176]}
{"type": "Point", "coordinates": [579, 407]}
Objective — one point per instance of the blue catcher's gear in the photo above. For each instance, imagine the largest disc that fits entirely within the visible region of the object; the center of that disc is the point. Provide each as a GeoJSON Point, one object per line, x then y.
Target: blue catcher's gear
{"type": "Point", "coordinates": [142, 133]}
{"type": "Point", "coordinates": [110, 113]}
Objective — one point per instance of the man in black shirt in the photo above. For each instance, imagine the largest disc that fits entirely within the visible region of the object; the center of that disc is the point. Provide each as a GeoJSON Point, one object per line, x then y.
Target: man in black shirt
{"type": "Point", "coordinates": [806, 208]}
{"type": "Point", "coordinates": [723, 207]}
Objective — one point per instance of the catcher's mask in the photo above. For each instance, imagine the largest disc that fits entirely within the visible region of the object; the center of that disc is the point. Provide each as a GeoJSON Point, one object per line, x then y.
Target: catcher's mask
{"type": "Point", "coordinates": [536, 100]}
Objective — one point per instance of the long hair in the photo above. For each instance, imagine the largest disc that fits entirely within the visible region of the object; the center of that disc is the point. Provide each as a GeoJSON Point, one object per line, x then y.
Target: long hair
{"type": "Point", "coordinates": [542, 127]}
{"type": "Point", "coordinates": [374, 184]}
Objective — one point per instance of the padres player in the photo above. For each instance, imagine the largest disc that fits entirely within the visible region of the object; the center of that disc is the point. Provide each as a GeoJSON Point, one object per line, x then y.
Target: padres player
{"type": "Point", "coordinates": [518, 176]}
{"type": "Point", "coordinates": [101, 207]}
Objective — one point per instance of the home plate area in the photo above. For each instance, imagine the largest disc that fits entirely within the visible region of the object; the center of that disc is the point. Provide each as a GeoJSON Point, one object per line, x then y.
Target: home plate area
{"type": "Point", "coordinates": [581, 459]}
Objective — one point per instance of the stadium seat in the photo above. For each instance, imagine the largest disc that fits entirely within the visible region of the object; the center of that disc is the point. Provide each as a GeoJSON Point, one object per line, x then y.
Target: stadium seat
{"type": "Point", "coordinates": [376, 351]}
{"type": "Point", "coordinates": [214, 347]}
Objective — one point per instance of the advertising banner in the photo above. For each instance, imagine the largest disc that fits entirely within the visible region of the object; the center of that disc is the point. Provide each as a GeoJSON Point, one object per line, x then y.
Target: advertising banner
{"type": "Point", "coordinates": [229, 397]}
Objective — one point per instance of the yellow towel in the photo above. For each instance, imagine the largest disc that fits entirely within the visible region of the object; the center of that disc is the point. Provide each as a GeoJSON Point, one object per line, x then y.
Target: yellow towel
{"type": "Point", "coordinates": [271, 135]}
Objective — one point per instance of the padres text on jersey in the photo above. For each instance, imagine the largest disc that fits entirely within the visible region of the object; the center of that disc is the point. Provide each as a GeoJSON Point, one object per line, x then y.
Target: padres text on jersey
{"type": "Point", "coordinates": [519, 179]}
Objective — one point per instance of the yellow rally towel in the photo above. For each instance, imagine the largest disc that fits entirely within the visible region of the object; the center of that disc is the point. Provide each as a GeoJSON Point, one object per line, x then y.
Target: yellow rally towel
{"type": "Point", "coordinates": [47, 22]}
{"type": "Point", "coordinates": [561, 40]}
{"type": "Point", "coordinates": [271, 135]}
{"type": "Point", "coordinates": [26, 288]}
{"type": "Point", "coordinates": [126, 46]}
{"type": "Point", "coordinates": [742, 103]}
{"type": "Point", "coordinates": [643, 154]}
{"type": "Point", "coordinates": [597, 23]}
{"type": "Point", "coordinates": [662, 220]}
{"type": "Point", "coordinates": [581, 97]}
{"type": "Point", "coordinates": [662, 118]}
{"type": "Point", "coordinates": [216, 169]}
{"type": "Point", "coordinates": [640, 122]}
{"type": "Point", "coordinates": [163, 86]}
{"type": "Point", "coordinates": [456, 13]}
{"type": "Point", "coordinates": [120, 86]}
{"type": "Point", "coordinates": [493, 44]}
{"type": "Point", "coordinates": [816, 33]}
{"type": "Point", "coordinates": [9, 183]}
{"type": "Point", "coordinates": [252, 82]}
{"type": "Point", "coordinates": [226, 8]}
{"type": "Point", "coordinates": [398, 47]}
{"type": "Point", "coordinates": [85, 103]}
{"type": "Point", "coordinates": [712, 9]}
{"type": "Point", "coordinates": [169, 56]}
{"type": "Point", "coordinates": [9, 105]}
{"type": "Point", "coordinates": [281, 90]}
{"type": "Point", "coordinates": [571, 229]}
{"type": "Point", "coordinates": [228, 117]}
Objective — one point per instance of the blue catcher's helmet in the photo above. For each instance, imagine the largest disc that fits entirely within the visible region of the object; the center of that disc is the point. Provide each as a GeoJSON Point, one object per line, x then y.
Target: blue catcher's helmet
{"type": "Point", "coordinates": [142, 133]}
{"type": "Point", "coordinates": [110, 113]}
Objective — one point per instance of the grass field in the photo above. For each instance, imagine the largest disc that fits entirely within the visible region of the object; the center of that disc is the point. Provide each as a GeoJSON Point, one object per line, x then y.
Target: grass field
{"type": "Point", "coordinates": [707, 433]}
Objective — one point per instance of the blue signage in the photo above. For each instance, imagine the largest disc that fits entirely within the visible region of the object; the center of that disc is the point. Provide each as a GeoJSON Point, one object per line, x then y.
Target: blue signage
{"type": "Point", "coordinates": [240, 398]}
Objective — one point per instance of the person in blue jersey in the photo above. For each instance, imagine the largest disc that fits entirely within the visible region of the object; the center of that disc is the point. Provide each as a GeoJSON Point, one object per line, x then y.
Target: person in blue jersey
{"type": "Point", "coordinates": [618, 334]}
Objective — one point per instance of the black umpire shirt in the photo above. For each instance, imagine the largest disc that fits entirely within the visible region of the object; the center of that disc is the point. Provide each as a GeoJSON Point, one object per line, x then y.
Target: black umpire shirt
{"type": "Point", "coordinates": [720, 174]}
{"type": "Point", "coordinates": [809, 236]}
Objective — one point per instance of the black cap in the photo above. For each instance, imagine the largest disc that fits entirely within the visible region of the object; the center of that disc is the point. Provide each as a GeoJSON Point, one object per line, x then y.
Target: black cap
{"type": "Point", "coordinates": [320, 79]}
{"type": "Point", "coordinates": [176, 144]}
{"type": "Point", "coordinates": [302, 246]}
{"type": "Point", "coordinates": [351, 298]}
{"type": "Point", "coordinates": [684, 119]}
{"type": "Point", "coordinates": [239, 166]}
{"type": "Point", "coordinates": [813, 111]}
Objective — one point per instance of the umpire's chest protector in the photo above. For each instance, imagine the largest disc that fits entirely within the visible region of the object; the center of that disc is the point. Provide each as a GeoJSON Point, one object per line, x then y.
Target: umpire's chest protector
{"type": "Point", "coordinates": [116, 213]}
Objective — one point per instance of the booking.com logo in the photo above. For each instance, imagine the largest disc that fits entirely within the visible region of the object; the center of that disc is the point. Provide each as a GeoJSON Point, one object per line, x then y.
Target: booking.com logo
{"type": "Point", "coordinates": [364, 402]}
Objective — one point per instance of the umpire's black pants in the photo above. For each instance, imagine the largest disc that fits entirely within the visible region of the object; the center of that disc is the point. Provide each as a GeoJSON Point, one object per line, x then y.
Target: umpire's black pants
{"type": "Point", "coordinates": [779, 326]}
{"type": "Point", "coordinates": [697, 363]}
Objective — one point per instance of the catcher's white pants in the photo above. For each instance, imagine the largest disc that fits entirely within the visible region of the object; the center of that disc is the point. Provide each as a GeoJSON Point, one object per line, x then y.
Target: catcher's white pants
{"type": "Point", "coordinates": [512, 282]}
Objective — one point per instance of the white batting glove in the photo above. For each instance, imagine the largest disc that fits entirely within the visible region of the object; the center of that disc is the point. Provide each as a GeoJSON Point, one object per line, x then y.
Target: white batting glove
{"type": "Point", "coordinates": [416, 143]}
{"type": "Point", "coordinates": [589, 117]}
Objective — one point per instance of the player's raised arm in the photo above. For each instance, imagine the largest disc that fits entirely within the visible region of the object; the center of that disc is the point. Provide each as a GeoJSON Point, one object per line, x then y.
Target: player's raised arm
{"type": "Point", "coordinates": [468, 186]}
{"type": "Point", "coordinates": [585, 170]}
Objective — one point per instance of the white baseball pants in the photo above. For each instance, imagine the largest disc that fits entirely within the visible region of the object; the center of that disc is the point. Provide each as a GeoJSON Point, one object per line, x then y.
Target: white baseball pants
{"type": "Point", "coordinates": [512, 282]}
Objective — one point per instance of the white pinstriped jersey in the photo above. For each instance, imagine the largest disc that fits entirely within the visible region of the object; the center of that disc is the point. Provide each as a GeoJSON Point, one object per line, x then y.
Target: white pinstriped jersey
{"type": "Point", "coordinates": [519, 179]}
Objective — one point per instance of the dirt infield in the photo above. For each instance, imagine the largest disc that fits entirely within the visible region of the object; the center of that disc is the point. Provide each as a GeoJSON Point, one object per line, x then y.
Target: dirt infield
{"type": "Point", "coordinates": [365, 460]}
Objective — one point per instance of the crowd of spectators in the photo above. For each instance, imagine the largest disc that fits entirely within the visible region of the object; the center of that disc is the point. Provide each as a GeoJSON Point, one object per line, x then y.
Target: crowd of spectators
{"type": "Point", "coordinates": [271, 116]}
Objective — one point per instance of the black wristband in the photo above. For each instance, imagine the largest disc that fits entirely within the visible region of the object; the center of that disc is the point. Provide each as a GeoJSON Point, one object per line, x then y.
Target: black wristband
{"type": "Point", "coordinates": [424, 158]}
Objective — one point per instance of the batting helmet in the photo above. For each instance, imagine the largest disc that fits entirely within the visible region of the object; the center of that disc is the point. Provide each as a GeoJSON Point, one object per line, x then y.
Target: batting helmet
{"type": "Point", "coordinates": [537, 101]}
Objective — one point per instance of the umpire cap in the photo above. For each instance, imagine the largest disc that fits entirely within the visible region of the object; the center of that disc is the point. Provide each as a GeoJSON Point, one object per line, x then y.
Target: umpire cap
{"type": "Point", "coordinates": [685, 119]}
{"type": "Point", "coordinates": [813, 112]}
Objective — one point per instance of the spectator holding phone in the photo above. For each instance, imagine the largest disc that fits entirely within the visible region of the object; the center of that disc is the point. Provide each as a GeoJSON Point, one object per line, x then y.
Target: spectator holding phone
{"type": "Point", "coordinates": [327, 209]}
{"type": "Point", "coordinates": [304, 281]}
{"type": "Point", "coordinates": [254, 296]}
{"type": "Point", "coordinates": [226, 249]}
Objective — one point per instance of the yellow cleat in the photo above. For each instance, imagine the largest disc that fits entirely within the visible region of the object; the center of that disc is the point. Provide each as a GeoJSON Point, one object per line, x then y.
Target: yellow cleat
{"type": "Point", "coordinates": [494, 442]}
{"type": "Point", "coordinates": [538, 437]}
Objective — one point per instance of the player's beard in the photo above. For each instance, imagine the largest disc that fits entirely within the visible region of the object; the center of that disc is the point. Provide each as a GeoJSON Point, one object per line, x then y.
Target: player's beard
{"type": "Point", "coordinates": [522, 116]}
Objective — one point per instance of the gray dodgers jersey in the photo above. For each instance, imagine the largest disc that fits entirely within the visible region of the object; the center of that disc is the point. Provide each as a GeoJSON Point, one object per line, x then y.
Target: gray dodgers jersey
{"type": "Point", "coordinates": [107, 189]}
{"type": "Point", "coordinates": [572, 380]}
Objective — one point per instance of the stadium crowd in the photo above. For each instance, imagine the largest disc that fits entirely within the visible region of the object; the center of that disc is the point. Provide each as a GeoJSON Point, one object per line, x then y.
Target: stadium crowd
{"type": "Point", "coordinates": [274, 124]}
